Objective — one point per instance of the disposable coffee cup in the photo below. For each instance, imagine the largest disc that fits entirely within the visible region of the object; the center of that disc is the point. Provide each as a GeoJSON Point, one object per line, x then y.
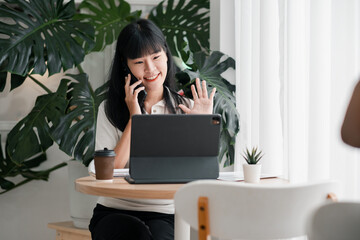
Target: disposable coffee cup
{"type": "Point", "coordinates": [104, 165]}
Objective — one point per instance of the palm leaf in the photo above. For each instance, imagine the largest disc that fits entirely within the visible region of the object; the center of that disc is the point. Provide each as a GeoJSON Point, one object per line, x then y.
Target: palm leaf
{"type": "Point", "coordinates": [30, 136]}
{"type": "Point", "coordinates": [108, 17]}
{"type": "Point", "coordinates": [75, 132]}
{"type": "Point", "coordinates": [209, 68]}
{"type": "Point", "coordinates": [188, 21]}
{"type": "Point", "coordinates": [41, 35]}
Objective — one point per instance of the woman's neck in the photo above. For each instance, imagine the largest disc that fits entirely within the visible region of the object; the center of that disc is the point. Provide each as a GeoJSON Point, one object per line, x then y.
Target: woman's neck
{"type": "Point", "coordinates": [152, 98]}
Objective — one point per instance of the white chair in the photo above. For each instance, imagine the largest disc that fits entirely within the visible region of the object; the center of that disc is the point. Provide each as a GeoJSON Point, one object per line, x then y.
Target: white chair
{"type": "Point", "coordinates": [230, 210]}
{"type": "Point", "coordinates": [336, 221]}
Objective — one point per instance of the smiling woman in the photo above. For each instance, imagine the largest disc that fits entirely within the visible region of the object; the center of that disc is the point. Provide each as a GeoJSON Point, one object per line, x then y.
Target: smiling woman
{"type": "Point", "coordinates": [143, 58]}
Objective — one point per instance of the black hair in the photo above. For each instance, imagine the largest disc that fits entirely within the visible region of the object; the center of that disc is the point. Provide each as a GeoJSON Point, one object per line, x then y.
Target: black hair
{"type": "Point", "coordinates": [137, 39]}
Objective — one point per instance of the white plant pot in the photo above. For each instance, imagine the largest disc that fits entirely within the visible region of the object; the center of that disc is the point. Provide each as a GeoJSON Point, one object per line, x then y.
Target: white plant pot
{"type": "Point", "coordinates": [252, 173]}
{"type": "Point", "coordinates": [81, 205]}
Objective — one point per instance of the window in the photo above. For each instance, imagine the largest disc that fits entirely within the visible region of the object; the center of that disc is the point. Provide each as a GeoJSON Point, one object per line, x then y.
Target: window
{"type": "Point", "coordinates": [297, 63]}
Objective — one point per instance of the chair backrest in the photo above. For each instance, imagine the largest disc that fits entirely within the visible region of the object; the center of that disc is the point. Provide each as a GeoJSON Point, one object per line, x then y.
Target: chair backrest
{"type": "Point", "coordinates": [249, 211]}
{"type": "Point", "coordinates": [336, 221]}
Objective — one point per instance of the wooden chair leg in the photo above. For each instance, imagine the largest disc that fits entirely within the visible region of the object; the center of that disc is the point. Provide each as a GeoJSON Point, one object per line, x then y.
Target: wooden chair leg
{"type": "Point", "coordinates": [203, 218]}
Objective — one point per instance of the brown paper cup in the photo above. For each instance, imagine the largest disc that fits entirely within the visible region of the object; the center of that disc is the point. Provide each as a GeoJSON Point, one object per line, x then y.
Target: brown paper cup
{"type": "Point", "coordinates": [104, 165]}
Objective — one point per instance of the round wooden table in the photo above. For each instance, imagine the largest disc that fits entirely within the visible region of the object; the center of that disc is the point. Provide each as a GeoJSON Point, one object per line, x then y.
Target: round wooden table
{"type": "Point", "coordinates": [120, 188]}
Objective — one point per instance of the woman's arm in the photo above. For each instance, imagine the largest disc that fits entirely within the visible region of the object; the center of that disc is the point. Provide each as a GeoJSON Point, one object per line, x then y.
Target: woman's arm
{"type": "Point", "coordinates": [350, 131]}
{"type": "Point", "coordinates": [122, 148]}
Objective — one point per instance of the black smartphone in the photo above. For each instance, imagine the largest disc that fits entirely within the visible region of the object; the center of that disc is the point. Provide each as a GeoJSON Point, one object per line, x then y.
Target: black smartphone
{"type": "Point", "coordinates": [142, 95]}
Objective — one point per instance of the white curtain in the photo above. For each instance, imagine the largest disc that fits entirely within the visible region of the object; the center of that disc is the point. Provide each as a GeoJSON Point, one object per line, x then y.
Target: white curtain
{"type": "Point", "coordinates": [297, 62]}
{"type": "Point", "coordinates": [257, 81]}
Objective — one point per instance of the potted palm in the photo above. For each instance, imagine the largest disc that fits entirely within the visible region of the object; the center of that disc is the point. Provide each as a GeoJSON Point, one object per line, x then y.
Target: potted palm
{"type": "Point", "coordinates": [251, 168]}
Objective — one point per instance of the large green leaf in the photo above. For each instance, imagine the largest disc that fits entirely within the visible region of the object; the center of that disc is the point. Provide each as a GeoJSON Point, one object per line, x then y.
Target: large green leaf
{"type": "Point", "coordinates": [108, 17]}
{"type": "Point", "coordinates": [31, 135]}
{"type": "Point", "coordinates": [209, 68]}
{"type": "Point", "coordinates": [10, 169]}
{"type": "Point", "coordinates": [75, 133]}
{"type": "Point", "coordinates": [188, 21]}
{"type": "Point", "coordinates": [40, 35]}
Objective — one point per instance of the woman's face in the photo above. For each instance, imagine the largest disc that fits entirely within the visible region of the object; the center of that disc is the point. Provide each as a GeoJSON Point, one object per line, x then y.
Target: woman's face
{"type": "Point", "coordinates": [151, 69]}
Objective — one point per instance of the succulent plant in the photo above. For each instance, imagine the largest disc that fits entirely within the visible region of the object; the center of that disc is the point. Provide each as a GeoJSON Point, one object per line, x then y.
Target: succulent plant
{"type": "Point", "coordinates": [253, 156]}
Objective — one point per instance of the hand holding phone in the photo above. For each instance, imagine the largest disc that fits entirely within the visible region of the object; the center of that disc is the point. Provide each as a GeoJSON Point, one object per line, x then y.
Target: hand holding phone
{"type": "Point", "coordinates": [142, 94]}
{"type": "Point", "coordinates": [131, 96]}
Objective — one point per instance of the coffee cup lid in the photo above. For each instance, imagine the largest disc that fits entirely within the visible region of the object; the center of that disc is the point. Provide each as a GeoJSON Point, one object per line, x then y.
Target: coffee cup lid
{"type": "Point", "coordinates": [105, 153]}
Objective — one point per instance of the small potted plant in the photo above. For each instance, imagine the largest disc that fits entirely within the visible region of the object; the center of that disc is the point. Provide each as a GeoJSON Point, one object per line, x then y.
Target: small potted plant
{"type": "Point", "coordinates": [251, 168]}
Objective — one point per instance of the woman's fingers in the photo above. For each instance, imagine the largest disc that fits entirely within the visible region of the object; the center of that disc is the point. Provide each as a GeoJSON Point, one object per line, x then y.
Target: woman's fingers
{"type": "Point", "coordinates": [132, 92]}
{"type": "Point", "coordinates": [131, 89]}
{"type": "Point", "coordinates": [194, 93]}
{"type": "Point", "coordinates": [212, 94]}
{"type": "Point", "coordinates": [136, 91]}
{"type": "Point", "coordinates": [198, 88]}
{"type": "Point", "coordinates": [127, 80]}
{"type": "Point", "coordinates": [204, 89]}
{"type": "Point", "coordinates": [201, 90]}
{"type": "Point", "coordinates": [184, 108]}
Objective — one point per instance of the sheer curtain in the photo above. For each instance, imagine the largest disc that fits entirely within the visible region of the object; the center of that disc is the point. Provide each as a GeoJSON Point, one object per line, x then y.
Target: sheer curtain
{"type": "Point", "coordinates": [257, 81]}
{"type": "Point", "coordinates": [296, 65]}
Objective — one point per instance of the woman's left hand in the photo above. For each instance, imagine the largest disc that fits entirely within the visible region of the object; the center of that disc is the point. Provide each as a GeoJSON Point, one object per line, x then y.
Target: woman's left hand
{"type": "Point", "coordinates": [202, 103]}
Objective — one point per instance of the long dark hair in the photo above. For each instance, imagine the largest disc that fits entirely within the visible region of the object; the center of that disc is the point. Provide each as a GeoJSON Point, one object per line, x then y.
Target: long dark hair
{"type": "Point", "coordinates": [137, 39]}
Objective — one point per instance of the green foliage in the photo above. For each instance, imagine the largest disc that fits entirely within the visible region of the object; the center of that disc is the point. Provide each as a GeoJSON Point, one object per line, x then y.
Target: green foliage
{"type": "Point", "coordinates": [10, 169]}
{"type": "Point", "coordinates": [40, 35]}
{"type": "Point", "coordinates": [31, 135]}
{"type": "Point", "coordinates": [108, 17]}
{"type": "Point", "coordinates": [188, 22]}
{"type": "Point", "coordinates": [252, 157]}
{"type": "Point", "coordinates": [76, 130]}
{"type": "Point", "coordinates": [209, 68]}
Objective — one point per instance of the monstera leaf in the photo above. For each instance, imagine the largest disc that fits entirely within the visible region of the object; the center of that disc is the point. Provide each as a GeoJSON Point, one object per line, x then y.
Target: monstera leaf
{"type": "Point", "coordinates": [108, 17]}
{"type": "Point", "coordinates": [209, 68]}
{"type": "Point", "coordinates": [31, 135]}
{"type": "Point", "coordinates": [41, 34]}
{"type": "Point", "coordinates": [75, 133]}
{"type": "Point", "coordinates": [188, 21]}
{"type": "Point", "coordinates": [10, 169]}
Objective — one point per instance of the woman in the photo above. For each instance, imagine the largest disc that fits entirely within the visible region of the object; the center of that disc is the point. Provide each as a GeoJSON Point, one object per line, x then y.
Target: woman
{"type": "Point", "coordinates": [141, 82]}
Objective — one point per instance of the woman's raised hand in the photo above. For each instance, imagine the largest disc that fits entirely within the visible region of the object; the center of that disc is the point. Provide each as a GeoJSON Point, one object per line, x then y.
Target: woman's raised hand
{"type": "Point", "coordinates": [131, 97]}
{"type": "Point", "coordinates": [203, 104]}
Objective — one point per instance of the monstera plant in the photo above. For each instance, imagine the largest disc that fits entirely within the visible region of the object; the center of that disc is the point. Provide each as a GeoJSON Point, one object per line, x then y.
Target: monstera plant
{"type": "Point", "coordinates": [186, 28]}
{"type": "Point", "coordinates": [45, 37]}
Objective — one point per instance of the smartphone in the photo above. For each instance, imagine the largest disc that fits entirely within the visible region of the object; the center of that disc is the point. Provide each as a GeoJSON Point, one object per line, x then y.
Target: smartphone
{"type": "Point", "coordinates": [142, 95]}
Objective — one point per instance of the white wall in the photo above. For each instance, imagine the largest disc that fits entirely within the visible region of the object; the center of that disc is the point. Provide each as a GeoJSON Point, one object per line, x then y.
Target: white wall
{"type": "Point", "coordinates": [26, 211]}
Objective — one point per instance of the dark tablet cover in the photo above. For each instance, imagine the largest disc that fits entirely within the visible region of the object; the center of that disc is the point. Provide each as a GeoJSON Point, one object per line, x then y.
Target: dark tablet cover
{"type": "Point", "coordinates": [168, 148]}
